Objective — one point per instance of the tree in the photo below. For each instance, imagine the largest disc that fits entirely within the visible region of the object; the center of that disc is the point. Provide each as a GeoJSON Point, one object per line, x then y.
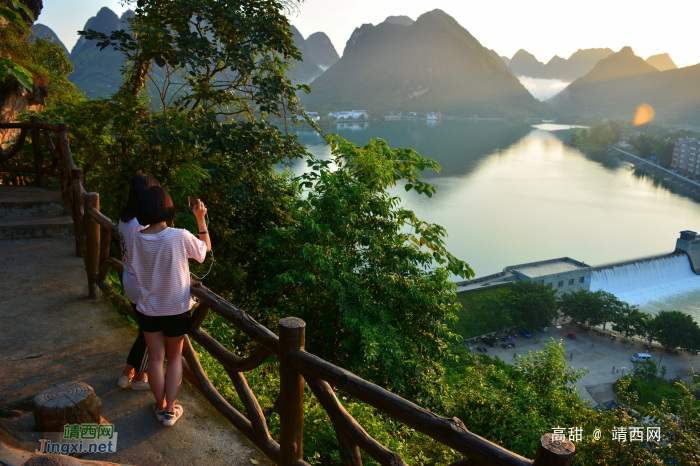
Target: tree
{"type": "Point", "coordinates": [531, 304]}
{"type": "Point", "coordinates": [629, 321]}
{"type": "Point", "coordinates": [371, 277]}
{"type": "Point", "coordinates": [663, 149]}
{"type": "Point", "coordinates": [580, 305]}
{"type": "Point", "coordinates": [677, 330]}
{"type": "Point", "coordinates": [647, 328]}
{"type": "Point", "coordinates": [602, 135]}
{"type": "Point", "coordinates": [616, 130]}
{"type": "Point", "coordinates": [584, 133]}
{"type": "Point", "coordinates": [11, 34]}
{"type": "Point", "coordinates": [644, 143]}
{"type": "Point", "coordinates": [609, 308]}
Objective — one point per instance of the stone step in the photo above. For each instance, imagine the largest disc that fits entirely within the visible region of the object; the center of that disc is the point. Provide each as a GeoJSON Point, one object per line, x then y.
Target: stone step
{"type": "Point", "coordinates": [29, 201]}
{"type": "Point", "coordinates": [50, 226]}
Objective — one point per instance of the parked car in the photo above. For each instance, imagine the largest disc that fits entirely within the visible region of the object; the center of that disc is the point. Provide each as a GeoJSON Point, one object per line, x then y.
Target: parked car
{"type": "Point", "coordinates": [523, 331]}
{"type": "Point", "coordinates": [641, 357]}
{"type": "Point", "coordinates": [490, 341]}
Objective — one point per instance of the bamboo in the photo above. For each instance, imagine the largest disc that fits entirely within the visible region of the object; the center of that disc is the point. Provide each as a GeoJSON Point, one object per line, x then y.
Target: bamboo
{"type": "Point", "coordinates": [36, 149]}
{"type": "Point", "coordinates": [291, 392]}
{"type": "Point", "coordinates": [92, 243]}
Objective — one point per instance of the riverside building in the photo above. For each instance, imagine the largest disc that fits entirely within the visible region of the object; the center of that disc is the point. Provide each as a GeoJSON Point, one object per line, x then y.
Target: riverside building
{"type": "Point", "coordinates": [685, 156]}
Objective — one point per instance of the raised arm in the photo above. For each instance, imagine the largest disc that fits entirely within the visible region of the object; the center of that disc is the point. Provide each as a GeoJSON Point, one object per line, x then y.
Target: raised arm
{"type": "Point", "coordinates": [200, 212]}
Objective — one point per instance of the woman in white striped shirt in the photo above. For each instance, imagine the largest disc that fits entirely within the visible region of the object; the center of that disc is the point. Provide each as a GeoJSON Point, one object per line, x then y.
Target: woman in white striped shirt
{"type": "Point", "coordinates": [159, 258]}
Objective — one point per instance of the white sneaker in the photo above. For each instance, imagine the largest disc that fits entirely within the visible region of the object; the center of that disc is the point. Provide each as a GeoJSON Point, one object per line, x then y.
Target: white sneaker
{"type": "Point", "coordinates": [160, 413]}
{"type": "Point", "coordinates": [141, 384]}
{"type": "Point", "coordinates": [124, 381]}
{"type": "Point", "coordinates": [171, 418]}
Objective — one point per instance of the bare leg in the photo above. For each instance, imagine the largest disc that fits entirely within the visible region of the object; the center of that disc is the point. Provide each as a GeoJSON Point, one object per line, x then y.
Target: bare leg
{"type": "Point", "coordinates": [128, 370]}
{"type": "Point", "coordinates": [173, 378]}
{"type": "Point", "coordinates": [155, 341]}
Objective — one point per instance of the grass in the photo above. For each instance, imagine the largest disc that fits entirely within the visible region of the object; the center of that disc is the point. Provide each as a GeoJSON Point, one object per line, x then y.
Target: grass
{"type": "Point", "coordinates": [589, 144]}
{"type": "Point", "coordinates": [471, 322]}
{"type": "Point", "coordinates": [654, 391]}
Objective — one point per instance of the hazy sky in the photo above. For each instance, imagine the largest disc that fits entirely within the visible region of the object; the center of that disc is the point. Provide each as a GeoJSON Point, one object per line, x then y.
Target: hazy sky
{"type": "Point", "coordinates": [542, 27]}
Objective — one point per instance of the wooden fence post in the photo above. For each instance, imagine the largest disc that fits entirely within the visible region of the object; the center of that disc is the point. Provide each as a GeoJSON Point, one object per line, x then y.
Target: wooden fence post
{"type": "Point", "coordinates": [292, 338]}
{"type": "Point", "coordinates": [105, 238]}
{"type": "Point", "coordinates": [92, 243]}
{"type": "Point", "coordinates": [554, 453]}
{"type": "Point", "coordinates": [36, 147]}
{"type": "Point", "coordinates": [77, 177]}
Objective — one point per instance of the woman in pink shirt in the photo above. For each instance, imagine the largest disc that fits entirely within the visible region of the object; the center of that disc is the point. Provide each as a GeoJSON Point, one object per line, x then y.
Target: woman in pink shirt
{"type": "Point", "coordinates": [159, 258]}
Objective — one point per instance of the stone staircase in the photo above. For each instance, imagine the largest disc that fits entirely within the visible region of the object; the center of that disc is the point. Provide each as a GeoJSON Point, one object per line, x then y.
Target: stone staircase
{"type": "Point", "coordinates": [29, 212]}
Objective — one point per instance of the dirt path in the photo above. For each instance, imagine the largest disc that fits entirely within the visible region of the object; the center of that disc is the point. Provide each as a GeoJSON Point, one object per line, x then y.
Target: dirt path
{"type": "Point", "coordinates": [51, 332]}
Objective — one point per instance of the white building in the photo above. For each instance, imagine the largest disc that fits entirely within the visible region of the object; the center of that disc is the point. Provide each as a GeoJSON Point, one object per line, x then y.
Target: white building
{"type": "Point", "coordinates": [434, 116]}
{"type": "Point", "coordinates": [314, 116]}
{"type": "Point", "coordinates": [357, 114]}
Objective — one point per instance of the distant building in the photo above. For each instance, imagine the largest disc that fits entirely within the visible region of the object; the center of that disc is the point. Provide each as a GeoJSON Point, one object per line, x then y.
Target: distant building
{"type": "Point", "coordinates": [434, 116]}
{"type": "Point", "coordinates": [392, 117]}
{"type": "Point", "coordinates": [686, 157]}
{"type": "Point", "coordinates": [314, 116]}
{"type": "Point", "coordinates": [357, 114]}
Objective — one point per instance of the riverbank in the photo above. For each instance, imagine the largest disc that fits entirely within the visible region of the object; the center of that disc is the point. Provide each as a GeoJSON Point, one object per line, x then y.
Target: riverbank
{"type": "Point", "coordinates": [678, 180]}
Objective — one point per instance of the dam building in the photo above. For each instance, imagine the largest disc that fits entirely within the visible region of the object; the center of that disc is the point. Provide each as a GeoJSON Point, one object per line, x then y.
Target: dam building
{"type": "Point", "coordinates": [563, 274]}
{"type": "Point", "coordinates": [634, 281]}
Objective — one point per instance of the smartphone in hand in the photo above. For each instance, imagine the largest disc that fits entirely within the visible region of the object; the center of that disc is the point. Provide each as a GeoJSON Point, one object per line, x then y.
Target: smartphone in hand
{"type": "Point", "coordinates": [192, 201]}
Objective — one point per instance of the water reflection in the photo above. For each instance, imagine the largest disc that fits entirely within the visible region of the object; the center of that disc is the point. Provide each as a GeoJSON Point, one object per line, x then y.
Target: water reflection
{"type": "Point", "coordinates": [509, 193]}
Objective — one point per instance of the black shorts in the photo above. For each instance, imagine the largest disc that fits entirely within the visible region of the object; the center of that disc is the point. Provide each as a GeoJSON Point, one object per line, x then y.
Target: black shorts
{"type": "Point", "coordinates": [171, 326]}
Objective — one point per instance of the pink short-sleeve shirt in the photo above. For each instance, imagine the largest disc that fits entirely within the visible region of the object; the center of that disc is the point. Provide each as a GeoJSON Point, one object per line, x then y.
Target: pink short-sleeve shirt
{"type": "Point", "coordinates": [162, 272]}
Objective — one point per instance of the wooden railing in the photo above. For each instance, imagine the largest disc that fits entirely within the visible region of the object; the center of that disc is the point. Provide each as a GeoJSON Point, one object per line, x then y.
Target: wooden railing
{"type": "Point", "coordinates": [94, 232]}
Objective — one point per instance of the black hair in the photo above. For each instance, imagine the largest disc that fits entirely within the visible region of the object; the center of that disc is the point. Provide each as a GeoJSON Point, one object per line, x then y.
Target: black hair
{"type": "Point", "coordinates": [138, 184]}
{"type": "Point", "coordinates": [154, 206]}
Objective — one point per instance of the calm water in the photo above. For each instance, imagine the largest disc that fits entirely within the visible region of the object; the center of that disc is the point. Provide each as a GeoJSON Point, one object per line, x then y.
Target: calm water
{"type": "Point", "coordinates": [513, 193]}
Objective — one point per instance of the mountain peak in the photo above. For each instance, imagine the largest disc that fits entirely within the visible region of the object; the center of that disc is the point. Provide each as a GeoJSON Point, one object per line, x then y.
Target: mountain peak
{"type": "Point", "coordinates": [662, 62]}
{"type": "Point", "coordinates": [400, 20]}
{"type": "Point", "coordinates": [321, 49]}
{"type": "Point", "coordinates": [618, 65]}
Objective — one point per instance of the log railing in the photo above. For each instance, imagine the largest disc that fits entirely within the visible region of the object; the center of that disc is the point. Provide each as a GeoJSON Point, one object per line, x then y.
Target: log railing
{"type": "Point", "coordinates": [93, 233]}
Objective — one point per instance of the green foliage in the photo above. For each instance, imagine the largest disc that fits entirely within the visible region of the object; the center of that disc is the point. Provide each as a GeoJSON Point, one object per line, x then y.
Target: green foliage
{"type": "Point", "coordinates": [592, 307]}
{"type": "Point", "coordinates": [477, 317]}
{"type": "Point", "coordinates": [514, 406]}
{"type": "Point", "coordinates": [644, 144]}
{"type": "Point", "coordinates": [372, 277]}
{"type": "Point", "coordinates": [677, 330]}
{"type": "Point", "coordinates": [11, 35]}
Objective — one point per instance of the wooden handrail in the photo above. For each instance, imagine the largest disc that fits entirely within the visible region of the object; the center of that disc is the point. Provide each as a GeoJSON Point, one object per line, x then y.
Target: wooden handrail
{"type": "Point", "coordinates": [93, 233]}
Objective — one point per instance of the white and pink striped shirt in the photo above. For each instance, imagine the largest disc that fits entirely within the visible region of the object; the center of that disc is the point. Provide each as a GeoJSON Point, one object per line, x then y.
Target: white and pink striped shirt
{"type": "Point", "coordinates": [162, 272]}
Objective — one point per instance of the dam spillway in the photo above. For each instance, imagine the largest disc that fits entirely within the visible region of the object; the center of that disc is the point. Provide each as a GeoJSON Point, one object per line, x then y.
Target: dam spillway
{"type": "Point", "coordinates": [647, 280]}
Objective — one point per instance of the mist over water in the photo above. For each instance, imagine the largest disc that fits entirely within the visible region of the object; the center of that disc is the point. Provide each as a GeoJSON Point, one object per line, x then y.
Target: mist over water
{"type": "Point", "coordinates": [511, 193]}
{"type": "Point", "coordinates": [543, 89]}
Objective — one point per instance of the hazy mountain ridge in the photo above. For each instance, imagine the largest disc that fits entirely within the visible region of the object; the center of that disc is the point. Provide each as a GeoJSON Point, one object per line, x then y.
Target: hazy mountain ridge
{"type": "Point", "coordinates": [662, 62]}
{"type": "Point", "coordinates": [321, 49]}
{"type": "Point", "coordinates": [434, 64]}
{"type": "Point", "coordinates": [618, 65]}
{"type": "Point", "coordinates": [306, 70]}
{"type": "Point", "coordinates": [98, 73]}
{"type": "Point", "coordinates": [577, 65]}
{"type": "Point", "coordinates": [623, 81]}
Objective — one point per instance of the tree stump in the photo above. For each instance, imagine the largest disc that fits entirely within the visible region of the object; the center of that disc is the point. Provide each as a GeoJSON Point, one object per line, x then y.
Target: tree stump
{"type": "Point", "coordinates": [66, 403]}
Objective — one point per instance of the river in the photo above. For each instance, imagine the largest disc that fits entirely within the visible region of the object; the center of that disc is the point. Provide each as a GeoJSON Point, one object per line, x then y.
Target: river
{"type": "Point", "coordinates": [511, 193]}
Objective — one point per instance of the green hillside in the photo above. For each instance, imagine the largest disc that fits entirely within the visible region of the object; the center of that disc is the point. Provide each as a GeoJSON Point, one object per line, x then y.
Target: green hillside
{"type": "Point", "coordinates": [431, 65]}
